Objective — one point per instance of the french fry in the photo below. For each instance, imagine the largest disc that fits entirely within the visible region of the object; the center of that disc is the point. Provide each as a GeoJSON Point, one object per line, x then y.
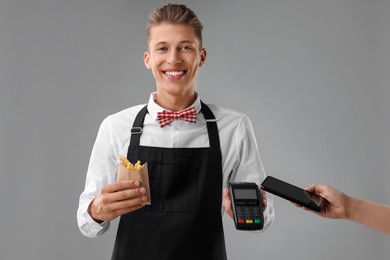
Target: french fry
{"type": "Point", "coordinates": [124, 161]}
{"type": "Point", "coordinates": [129, 165]}
{"type": "Point", "coordinates": [137, 166]}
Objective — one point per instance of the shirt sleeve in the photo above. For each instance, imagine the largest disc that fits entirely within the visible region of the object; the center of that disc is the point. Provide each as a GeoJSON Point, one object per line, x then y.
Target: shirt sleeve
{"type": "Point", "coordinates": [249, 167]}
{"type": "Point", "coordinates": [88, 227]}
{"type": "Point", "coordinates": [102, 170]}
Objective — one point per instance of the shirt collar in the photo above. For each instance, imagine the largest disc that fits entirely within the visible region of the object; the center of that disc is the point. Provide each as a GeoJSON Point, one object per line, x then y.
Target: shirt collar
{"type": "Point", "coordinates": [154, 108]}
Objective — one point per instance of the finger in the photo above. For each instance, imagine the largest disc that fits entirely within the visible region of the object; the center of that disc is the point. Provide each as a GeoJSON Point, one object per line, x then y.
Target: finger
{"type": "Point", "coordinates": [227, 203]}
{"type": "Point", "coordinates": [311, 188]}
{"type": "Point", "coordinates": [317, 188]}
{"type": "Point", "coordinates": [264, 203]}
{"type": "Point", "coordinates": [127, 194]}
{"type": "Point", "coordinates": [226, 194]}
{"type": "Point", "coordinates": [121, 185]}
{"type": "Point", "coordinates": [228, 208]}
{"type": "Point", "coordinates": [126, 204]}
{"type": "Point", "coordinates": [264, 199]}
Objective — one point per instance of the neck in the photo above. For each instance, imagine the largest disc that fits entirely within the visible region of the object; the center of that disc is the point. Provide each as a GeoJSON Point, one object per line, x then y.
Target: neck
{"type": "Point", "coordinates": [175, 103]}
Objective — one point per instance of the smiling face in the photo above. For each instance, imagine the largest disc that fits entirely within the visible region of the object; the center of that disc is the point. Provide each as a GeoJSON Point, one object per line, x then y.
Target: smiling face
{"type": "Point", "coordinates": [174, 56]}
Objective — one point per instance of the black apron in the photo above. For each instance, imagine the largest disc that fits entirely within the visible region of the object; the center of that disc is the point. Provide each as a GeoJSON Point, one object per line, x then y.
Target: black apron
{"type": "Point", "coordinates": [184, 220]}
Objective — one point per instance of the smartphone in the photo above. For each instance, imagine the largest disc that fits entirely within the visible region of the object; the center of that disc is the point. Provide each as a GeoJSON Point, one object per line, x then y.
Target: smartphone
{"type": "Point", "coordinates": [247, 206]}
{"type": "Point", "coordinates": [293, 193]}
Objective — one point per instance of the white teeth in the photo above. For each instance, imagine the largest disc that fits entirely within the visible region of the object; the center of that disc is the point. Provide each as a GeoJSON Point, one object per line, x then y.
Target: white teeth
{"type": "Point", "coordinates": [174, 73]}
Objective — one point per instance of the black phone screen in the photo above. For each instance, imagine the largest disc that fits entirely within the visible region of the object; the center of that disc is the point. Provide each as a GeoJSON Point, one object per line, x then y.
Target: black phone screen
{"type": "Point", "coordinates": [292, 193]}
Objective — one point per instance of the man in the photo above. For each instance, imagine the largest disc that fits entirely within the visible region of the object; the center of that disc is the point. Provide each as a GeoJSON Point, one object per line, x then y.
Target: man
{"type": "Point", "coordinates": [189, 160]}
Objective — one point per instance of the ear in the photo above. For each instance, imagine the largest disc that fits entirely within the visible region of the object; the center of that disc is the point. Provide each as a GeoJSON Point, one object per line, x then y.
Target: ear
{"type": "Point", "coordinates": [203, 55]}
{"type": "Point", "coordinates": [147, 60]}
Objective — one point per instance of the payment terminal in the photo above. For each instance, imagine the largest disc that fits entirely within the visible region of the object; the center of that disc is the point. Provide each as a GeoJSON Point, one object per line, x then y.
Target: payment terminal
{"type": "Point", "coordinates": [247, 206]}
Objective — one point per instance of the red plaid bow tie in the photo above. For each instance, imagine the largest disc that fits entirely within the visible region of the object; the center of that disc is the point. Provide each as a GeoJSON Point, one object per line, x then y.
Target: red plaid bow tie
{"type": "Point", "coordinates": [166, 117]}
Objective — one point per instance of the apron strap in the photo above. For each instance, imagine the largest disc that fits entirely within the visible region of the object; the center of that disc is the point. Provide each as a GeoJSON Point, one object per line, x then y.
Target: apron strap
{"type": "Point", "coordinates": [212, 127]}
{"type": "Point", "coordinates": [211, 123]}
{"type": "Point", "coordinates": [138, 125]}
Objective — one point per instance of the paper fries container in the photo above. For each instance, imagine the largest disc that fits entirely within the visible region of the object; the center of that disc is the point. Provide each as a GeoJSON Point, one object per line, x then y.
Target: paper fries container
{"type": "Point", "coordinates": [140, 175]}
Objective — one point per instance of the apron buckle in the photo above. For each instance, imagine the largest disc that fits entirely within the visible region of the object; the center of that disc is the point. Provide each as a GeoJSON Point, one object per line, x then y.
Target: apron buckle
{"type": "Point", "coordinates": [136, 130]}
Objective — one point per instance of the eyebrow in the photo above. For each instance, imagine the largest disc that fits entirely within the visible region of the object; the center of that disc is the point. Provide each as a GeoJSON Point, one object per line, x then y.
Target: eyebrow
{"type": "Point", "coordinates": [182, 42]}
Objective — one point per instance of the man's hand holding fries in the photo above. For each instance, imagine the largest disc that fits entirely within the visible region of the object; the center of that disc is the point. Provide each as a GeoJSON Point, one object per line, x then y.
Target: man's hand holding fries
{"type": "Point", "coordinates": [116, 199]}
{"type": "Point", "coordinates": [124, 196]}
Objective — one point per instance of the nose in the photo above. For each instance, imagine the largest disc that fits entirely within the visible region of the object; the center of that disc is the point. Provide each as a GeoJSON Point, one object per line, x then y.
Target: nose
{"type": "Point", "coordinates": [174, 57]}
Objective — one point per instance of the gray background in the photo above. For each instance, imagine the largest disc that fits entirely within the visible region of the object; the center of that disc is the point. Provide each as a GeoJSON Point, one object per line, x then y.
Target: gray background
{"type": "Point", "coordinates": [312, 75]}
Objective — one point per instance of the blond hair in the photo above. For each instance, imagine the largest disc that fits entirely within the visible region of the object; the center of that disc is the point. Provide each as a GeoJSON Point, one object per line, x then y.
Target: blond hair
{"type": "Point", "coordinates": [175, 14]}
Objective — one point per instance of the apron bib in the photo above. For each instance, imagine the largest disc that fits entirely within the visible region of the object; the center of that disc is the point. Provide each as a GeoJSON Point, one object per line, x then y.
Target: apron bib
{"type": "Point", "coordinates": [184, 220]}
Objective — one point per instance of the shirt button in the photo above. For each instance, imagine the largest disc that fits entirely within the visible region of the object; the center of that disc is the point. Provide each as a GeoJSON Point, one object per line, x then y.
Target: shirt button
{"type": "Point", "coordinates": [176, 128]}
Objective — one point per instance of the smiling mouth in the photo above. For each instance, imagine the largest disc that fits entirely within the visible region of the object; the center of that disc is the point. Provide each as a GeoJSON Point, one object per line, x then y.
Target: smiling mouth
{"type": "Point", "coordinates": [174, 73]}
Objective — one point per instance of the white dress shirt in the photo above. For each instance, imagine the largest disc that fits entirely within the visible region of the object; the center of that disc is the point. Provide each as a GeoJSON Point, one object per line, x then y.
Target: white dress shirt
{"type": "Point", "coordinates": [238, 147]}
